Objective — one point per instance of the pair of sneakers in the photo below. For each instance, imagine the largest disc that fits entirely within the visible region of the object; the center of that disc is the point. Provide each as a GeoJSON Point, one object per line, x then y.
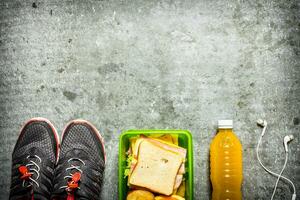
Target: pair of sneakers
{"type": "Point", "coordinates": [43, 168]}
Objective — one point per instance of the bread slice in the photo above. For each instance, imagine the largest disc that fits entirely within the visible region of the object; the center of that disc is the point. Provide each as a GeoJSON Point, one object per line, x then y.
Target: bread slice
{"type": "Point", "coordinates": [156, 168]}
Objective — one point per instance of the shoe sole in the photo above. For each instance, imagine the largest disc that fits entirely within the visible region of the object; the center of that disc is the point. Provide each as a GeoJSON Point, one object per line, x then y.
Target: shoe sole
{"type": "Point", "coordinates": [95, 130]}
{"type": "Point", "coordinates": [41, 119]}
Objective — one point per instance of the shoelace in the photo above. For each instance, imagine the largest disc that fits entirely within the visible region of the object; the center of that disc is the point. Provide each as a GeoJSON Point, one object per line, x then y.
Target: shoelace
{"type": "Point", "coordinates": [27, 171]}
{"type": "Point", "coordinates": [73, 179]}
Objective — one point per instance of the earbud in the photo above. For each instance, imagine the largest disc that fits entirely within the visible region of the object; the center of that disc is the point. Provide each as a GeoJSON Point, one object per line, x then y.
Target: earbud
{"type": "Point", "coordinates": [262, 123]}
{"type": "Point", "coordinates": [286, 140]}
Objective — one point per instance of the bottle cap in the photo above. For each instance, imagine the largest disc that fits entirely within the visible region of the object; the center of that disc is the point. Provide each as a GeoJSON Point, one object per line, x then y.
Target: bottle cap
{"type": "Point", "coordinates": [225, 124]}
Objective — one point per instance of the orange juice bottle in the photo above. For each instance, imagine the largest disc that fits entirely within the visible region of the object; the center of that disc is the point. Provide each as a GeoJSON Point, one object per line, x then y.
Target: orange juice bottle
{"type": "Point", "coordinates": [226, 163]}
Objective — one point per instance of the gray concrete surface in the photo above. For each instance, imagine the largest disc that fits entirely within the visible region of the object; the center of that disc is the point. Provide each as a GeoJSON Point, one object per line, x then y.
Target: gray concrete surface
{"type": "Point", "coordinates": [156, 64]}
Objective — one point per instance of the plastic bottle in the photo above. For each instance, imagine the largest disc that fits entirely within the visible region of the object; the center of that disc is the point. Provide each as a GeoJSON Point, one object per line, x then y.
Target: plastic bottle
{"type": "Point", "coordinates": [226, 163]}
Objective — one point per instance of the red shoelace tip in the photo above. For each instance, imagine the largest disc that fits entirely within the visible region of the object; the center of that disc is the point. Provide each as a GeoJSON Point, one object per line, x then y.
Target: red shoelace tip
{"type": "Point", "coordinates": [72, 185]}
{"type": "Point", "coordinates": [25, 174]}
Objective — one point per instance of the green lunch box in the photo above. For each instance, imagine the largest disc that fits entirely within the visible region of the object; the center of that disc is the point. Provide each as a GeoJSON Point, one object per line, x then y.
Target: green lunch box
{"type": "Point", "coordinates": [184, 140]}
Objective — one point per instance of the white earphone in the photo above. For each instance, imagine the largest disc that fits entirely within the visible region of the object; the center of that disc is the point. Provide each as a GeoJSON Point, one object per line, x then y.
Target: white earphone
{"type": "Point", "coordinates": [286, 140]}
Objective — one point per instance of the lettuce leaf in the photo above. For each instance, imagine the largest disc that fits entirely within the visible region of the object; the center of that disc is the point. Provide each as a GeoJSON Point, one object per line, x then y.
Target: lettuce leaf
{"type": "Point", "coordinates": [128, 165]}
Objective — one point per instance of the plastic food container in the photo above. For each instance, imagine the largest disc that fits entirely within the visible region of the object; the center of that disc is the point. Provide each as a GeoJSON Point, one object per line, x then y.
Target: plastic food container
{"type": "Point", "coordinates": [184, 140]}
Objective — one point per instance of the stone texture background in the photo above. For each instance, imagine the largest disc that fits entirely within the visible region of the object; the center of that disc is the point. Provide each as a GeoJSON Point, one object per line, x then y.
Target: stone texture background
{"type": "Point", "coordinates": [166, 64]}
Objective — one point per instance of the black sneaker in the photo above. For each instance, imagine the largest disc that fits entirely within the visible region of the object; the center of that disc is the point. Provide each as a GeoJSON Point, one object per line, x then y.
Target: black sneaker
{"type": "Point", "coordinates": [33, 161]}
{"type": "Point", "coordinates": [80, 168]}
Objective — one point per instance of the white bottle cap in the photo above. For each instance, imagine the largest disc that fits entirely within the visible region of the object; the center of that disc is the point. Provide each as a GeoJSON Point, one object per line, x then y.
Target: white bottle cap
{"type": "Point", "coordinates": [225, 124]}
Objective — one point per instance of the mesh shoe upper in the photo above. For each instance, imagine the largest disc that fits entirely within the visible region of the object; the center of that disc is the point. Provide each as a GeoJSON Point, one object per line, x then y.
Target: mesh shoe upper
{"type": "Point", "coordinates": [81, 153]}
{"type": "Point", "coordinates": [36, 151]}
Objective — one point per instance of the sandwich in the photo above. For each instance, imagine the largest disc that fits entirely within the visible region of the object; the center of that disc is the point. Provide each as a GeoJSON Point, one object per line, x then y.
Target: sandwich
{"type": "Point", "coordinates": [156, 168]}
{"type": "Point", "coordinates": [156, 164]}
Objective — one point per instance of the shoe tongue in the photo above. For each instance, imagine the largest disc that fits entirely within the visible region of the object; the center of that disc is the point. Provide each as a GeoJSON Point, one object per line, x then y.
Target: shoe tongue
{"type": "Point", "coordinates": [74, 155]}
{"type": "Point", "coordinates": [30, 152]}
{"type": "Point", "coordinates": [34, 151]}
{"type": "Point", "coordinates": [77, 153]}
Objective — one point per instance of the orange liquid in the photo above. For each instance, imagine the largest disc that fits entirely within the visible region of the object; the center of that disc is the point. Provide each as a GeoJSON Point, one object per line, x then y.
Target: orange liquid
{"type": "Point", "coordinates": [226, 166]}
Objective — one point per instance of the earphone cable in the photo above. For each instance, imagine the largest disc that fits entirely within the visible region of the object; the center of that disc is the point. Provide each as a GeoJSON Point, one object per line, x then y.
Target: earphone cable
{"type": "Point", "coordinates": [269, 171]}
{"type": "Point", "coordinates": [280, 175]}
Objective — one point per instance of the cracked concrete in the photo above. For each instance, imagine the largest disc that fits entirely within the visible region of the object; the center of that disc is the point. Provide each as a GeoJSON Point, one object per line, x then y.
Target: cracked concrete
{"type": "Point", "coordinates": [156, 64]}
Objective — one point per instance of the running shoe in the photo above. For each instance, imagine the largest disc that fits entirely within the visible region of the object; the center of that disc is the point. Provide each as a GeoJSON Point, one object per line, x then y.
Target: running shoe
{"type": "Point", "coordinates": [80, 168]}
{"type": "Point", "coordinates": [33, 161]}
